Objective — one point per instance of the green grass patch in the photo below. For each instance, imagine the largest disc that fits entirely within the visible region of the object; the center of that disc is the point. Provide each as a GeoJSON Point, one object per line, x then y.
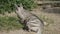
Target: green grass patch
{"type": "Point", "coordinates": [9, 23]}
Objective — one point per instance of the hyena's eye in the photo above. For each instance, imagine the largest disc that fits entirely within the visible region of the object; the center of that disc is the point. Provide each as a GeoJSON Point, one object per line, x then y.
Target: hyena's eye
{"type": "Point", "coordinates": [18, 5]}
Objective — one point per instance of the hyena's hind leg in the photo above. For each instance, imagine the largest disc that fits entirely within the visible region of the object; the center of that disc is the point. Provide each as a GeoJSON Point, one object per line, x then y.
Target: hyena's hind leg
{"type": "Point", "coordinates": [35, 24]}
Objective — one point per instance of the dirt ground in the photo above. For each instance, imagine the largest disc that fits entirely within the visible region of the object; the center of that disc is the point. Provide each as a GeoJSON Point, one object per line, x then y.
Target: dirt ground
{"type": "Point", "coordinates": [16, 32]}
{"type": "Point", "coordinates": [53, 28]}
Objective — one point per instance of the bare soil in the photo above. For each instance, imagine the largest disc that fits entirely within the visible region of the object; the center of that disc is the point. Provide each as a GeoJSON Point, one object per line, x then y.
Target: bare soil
{"type": "Point", "coordinates": [52, 28]}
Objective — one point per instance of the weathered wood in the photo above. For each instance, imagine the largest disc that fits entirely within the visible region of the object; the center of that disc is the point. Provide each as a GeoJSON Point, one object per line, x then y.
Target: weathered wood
{"type": "Point", "coordinates": [49, 2]}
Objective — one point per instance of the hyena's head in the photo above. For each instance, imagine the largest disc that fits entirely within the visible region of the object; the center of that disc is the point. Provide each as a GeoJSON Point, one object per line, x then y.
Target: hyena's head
{"type": "Point", "coordinates": [19, 7]}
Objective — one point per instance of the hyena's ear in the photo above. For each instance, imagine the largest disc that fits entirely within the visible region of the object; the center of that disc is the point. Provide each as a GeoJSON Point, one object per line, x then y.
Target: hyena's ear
{"type": "Point", "coordinates": [21, 6]}
{"type": "Point", "coordinates": [16, 6]}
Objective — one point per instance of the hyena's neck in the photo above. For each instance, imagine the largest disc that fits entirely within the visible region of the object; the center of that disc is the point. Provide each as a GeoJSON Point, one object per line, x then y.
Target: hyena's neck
{"type": "Point", "coordinates": [22, 13]}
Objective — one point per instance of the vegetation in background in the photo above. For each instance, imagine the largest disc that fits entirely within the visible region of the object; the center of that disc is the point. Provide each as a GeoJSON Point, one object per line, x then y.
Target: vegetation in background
{"type": "Point", "coordinates": [9, 23]}
{"type": "Point", "coordinates": [8, 5]}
